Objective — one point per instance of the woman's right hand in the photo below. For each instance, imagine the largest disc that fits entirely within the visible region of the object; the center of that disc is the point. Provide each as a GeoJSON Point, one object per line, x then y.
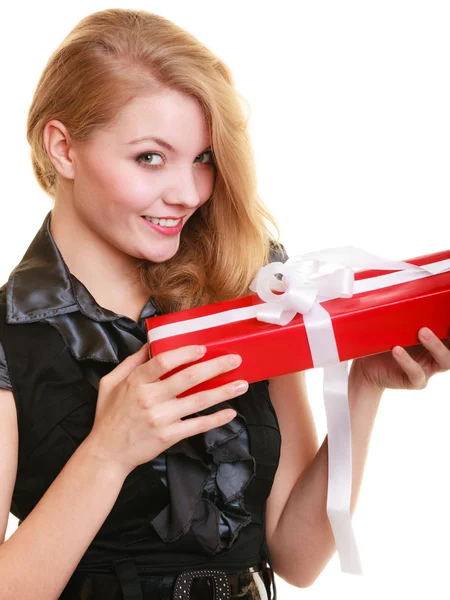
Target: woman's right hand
{"type": "Point", "coordinates": [138, 416]}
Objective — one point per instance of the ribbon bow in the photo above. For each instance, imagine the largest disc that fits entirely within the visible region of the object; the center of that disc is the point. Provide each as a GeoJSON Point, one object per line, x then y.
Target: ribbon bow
{"type": "Point", "coordinates": [301, 287]}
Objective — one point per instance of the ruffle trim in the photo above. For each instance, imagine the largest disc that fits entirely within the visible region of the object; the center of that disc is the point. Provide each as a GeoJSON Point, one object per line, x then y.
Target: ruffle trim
{"type": "Point", "coordinates": [207, 475]}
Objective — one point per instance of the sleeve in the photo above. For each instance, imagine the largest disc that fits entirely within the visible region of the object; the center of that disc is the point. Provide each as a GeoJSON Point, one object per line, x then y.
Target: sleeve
{"type": "Point", "coordinates": [5, 383]}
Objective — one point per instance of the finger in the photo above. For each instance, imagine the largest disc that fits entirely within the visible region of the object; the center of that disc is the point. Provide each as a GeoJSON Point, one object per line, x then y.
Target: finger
{"type": "Point", "coordinates": [191, 376]}
{"type": "Point", "coordinates": [438, 350]}
{"type": "Point", "coordinates": [413, 371]}
{"type": "Point", "coordinates": [177, 408]}
{"type": "Point", "coordinates": [129, 364]}
{"type": "Point", "coordinates": [165, 362]}
{"type": "Point", "coordinates": [196, 425]}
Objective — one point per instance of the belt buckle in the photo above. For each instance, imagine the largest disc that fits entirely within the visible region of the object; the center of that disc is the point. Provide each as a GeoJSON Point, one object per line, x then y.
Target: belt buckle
{"type": "Point", "coordinates": [183, 584]}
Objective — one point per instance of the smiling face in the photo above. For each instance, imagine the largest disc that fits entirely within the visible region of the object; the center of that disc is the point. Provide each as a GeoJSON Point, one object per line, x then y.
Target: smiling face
{"type": "Point", "coordinates": [114, 180]}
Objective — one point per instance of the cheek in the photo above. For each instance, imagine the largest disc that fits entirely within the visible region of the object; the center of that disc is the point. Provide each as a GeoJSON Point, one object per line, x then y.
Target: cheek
{"type": "Point", "coordinates": [137, 187]}
{"type": "Point", "coordinates": [126, 187]}
{"type": "Point", "coordinates": [98, 180]}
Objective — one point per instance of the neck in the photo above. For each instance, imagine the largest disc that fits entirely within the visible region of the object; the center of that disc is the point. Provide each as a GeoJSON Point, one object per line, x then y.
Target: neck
{"type": "Point", "coordinates": [102, 268]}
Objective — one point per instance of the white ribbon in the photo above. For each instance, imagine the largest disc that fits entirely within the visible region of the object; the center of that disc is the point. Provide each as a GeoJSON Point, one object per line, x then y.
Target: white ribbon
{"type": "Point", "coordinates": [304, 285]}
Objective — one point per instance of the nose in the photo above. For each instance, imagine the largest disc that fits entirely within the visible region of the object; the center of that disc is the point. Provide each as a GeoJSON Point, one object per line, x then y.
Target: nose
{"type": "Point", "coordinates": [189, 188]}
{"type": "Point", "coordinates": [187, 192]}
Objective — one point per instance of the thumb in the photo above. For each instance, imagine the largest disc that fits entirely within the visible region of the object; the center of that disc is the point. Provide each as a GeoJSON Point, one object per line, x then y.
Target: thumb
{"type": "Point", "coordinates": [130, 363]}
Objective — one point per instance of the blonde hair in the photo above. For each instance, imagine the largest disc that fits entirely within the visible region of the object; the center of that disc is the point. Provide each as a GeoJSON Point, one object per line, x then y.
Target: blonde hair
{"type": "Point", "coordinates": [107, 60]}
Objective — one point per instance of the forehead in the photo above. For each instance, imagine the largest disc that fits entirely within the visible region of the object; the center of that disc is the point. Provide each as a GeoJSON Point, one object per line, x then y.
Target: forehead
{"type": "Point", "coordinates": [167, 115]}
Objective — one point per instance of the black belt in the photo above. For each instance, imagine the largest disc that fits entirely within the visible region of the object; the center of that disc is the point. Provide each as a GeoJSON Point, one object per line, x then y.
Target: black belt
{"type": "Point", "coordinates": [253, 583]}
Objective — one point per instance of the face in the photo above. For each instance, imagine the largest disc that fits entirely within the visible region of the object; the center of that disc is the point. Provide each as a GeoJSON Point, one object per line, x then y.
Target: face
{"type": "Point", "coordinates": [119, 178]}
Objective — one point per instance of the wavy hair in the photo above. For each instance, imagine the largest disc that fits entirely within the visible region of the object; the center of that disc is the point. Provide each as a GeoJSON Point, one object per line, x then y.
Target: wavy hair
{"type": "Point", "coordinates": [113, 56]}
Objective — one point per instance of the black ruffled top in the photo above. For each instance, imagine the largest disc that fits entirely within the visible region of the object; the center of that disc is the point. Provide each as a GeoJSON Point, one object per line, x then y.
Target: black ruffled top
{"type": "Point", "coordinates": [201, 501]}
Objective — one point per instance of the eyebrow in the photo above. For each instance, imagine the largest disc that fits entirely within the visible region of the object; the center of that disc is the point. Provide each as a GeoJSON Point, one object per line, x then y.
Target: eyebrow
{"type": "Point", "coordinates": [159, 141]}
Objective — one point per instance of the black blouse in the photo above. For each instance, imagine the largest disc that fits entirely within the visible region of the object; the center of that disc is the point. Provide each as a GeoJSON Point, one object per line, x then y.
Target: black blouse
{"type": "Point", "coordinates": [201, 502]}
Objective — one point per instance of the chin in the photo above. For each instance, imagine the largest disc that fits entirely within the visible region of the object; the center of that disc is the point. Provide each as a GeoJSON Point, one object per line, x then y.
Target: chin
{"type": "Point", "coordinates": [156, 253]}
{"type": "Point", "coordinates": [161, 258]}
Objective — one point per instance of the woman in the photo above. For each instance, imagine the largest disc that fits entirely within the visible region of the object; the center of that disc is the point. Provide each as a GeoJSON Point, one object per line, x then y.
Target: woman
{"type": "Point", "coordinates": [122, 489]}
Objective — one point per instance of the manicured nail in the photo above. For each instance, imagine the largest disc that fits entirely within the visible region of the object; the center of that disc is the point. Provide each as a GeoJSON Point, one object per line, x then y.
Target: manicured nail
{"type": "Point", "coordinates": [235, 359]}
{"type": "Point", "coordinates": [241, 386]}
{"type": "Point", "coordinates": [425, 334]}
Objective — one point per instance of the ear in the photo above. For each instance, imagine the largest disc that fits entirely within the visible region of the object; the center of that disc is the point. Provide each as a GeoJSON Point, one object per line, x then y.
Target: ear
{"type": "Point", "coordinates": [58, 145]}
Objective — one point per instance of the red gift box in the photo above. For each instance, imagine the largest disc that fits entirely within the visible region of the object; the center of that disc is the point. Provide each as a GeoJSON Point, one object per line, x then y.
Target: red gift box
{"type": "Point", "coordinates": [367, 323]}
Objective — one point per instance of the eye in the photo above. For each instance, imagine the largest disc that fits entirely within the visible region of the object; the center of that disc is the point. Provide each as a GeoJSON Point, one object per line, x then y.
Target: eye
{"type": "Point", "coordinates": [141, 157]}
{"type": "Point", "coordinates": [207, 153]}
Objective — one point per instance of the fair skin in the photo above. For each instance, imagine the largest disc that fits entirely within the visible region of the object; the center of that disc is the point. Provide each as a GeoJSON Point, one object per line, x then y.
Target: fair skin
{"type": "Point", "coordinates": [97, 226]}
{"type": "Point", "coordinates": [103, 193]}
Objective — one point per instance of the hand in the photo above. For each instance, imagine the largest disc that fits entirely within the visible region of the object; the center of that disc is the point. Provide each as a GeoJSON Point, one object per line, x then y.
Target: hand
{"type": "Point", "coordinates": [138, 416]}
{"type": "Point", "coordinates": [409, 368]}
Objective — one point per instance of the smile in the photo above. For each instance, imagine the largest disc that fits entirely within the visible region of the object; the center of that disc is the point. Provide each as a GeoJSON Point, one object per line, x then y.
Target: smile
{"type": "Point", "coordinates": [163, 222]}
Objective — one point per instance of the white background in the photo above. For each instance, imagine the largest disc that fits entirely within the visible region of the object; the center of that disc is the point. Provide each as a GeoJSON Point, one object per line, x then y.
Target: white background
{"type": "Point", "coordinates": [351, 129]}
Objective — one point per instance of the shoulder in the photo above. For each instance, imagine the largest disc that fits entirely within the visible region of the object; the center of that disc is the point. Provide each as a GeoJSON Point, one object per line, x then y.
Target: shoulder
{"type": "Point", "coordinates": [5, 382]}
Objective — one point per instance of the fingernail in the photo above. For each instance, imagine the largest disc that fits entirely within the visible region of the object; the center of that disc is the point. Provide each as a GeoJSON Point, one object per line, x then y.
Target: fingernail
{"type": "Point", "coordinates": [235, 359]}
{"type": "Point", "coordinates": [398, 350]}
{"type": "Point", "coordinates": [425, 334]}
{"type": "Point", "coordinates": [201, 350]}
{"type": "Point", "coordinates": [241, 386]}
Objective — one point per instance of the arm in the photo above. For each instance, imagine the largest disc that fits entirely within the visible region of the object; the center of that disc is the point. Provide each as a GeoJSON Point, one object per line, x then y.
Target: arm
{"type": "Point", "coordinates": [137, 417]}
{"type": "Point", "coordinates": [37, 561]}
{"type": "Point", "coordinates": [8, 456]}
{"type": "Point", "coordinates": [299, 534]}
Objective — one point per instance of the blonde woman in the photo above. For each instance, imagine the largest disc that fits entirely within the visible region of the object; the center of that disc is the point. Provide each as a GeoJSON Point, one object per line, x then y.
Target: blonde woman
{"type": "Point", "coordinates": [122, 489]}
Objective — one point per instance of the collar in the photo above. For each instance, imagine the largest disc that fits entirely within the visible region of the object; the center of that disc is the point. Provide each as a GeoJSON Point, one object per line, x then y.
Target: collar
{"type": "Point", "coordinates": [41, 286]}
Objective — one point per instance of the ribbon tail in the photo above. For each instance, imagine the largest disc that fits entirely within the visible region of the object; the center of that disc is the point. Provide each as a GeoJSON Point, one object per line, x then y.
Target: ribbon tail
{"type": "Point", "coordinates": [340, 466]}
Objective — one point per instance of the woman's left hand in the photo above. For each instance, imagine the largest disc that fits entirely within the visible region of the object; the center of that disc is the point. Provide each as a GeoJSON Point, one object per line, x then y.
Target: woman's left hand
{"type": "Point", "coordinates": [409, 368]}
